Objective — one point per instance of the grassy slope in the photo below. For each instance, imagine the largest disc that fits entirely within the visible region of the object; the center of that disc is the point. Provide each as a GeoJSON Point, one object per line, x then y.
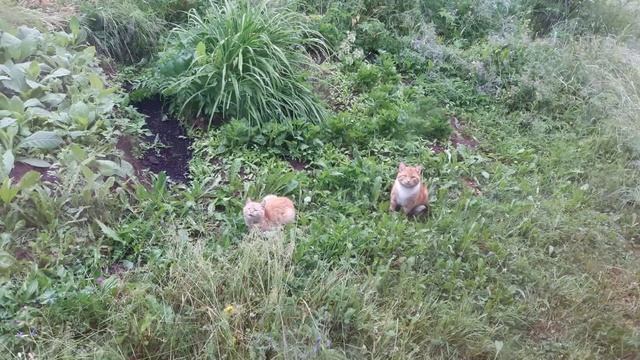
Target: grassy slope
{"type": "Point", "coordinates": [540, 265]}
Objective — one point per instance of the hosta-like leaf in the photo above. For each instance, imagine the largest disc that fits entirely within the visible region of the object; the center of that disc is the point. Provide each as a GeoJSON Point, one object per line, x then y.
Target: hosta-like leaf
{"type": "Point", "coordinates": [53, 99]}
{"type": "Point", "coordinates": [8, 160]}
{"type": "Point", "coordinates": [96, 82]}
{"type": "Point", "coordinates": [33, 70]}
{"type": "Point", "coordinates": [109, 168]}
{"type": "Point", "coordinates": [45, 140]}
{"type": "Point", "coordinates": [33, 102]}
{"type": "Point", "coordinates": [33, 84]}
{"type": "Point", "coordinates": [5, 122]}
{"type": "Point", "coordinates": [57, 73]}
{"type": "Point", "coordinates": [7, 40]}
{"type": "Point", "coordinates": [34, 162]}
{"type": "Point", "coordinates": [38, 112]}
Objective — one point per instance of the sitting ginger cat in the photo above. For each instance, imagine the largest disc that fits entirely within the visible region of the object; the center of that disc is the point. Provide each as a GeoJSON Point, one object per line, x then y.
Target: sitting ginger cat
{"type": "Point", "coordinates": [408, 192]}
{"type": "Point", "coordinates": [273, 212]}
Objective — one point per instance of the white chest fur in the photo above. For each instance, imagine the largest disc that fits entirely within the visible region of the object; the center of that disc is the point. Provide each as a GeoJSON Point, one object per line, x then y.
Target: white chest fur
{"type": "Point", "coordinates": [404, 193]}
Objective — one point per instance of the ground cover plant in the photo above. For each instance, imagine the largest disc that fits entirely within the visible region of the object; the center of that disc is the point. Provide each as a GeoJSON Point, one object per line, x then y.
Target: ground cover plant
{"type": "Point", "coordinates": [524, 115]}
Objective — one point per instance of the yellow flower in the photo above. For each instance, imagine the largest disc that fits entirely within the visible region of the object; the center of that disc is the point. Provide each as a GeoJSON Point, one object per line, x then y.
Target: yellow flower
{"type": "Point", "coordinates": [229, 309]}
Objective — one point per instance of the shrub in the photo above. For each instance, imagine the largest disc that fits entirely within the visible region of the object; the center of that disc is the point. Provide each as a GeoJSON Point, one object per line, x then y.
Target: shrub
{"type": "Point", "coordinates": [240, 60]}
{"type": "Point", "coordinates": [464, 20]}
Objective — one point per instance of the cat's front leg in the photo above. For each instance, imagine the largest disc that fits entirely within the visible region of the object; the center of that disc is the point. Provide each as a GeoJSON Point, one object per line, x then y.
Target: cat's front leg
{"type": "Point", "coordinates": [393, 206]}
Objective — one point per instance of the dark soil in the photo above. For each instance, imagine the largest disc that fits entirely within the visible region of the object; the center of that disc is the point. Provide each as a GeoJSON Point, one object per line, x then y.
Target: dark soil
{"type": "Point", "coordinates": [457, 138]}
{"type": "Point", "coordinates": [20, 169]}
{"type": "Point", "coordinates": [297, 165]}
{"type": "Point", "coordinates": [173, 154]}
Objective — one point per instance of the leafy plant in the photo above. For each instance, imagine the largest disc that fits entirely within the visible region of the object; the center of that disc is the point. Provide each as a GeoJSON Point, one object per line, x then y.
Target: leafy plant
{"type": "Point", "coordinates": [48, 99]}
{"type": "Point", "coordinates": [240, 60]}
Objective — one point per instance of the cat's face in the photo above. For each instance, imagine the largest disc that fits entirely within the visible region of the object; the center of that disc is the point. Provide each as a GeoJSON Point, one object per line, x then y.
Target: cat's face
{"type": "Point", "coordinates": [253, 212]}
{"type": "Point", "coordinates": [409, 176]}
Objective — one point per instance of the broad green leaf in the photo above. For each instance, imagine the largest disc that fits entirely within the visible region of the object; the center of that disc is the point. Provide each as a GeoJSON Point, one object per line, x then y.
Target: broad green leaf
{"type": "Point", "coordinates": [4, 102]}
{"type": "Point", "coordinates": [16, 73]}
{"type": "Point", "coordinates": [78, 153]}
{"type": "Point", "coordinates": [53, 99]}
{"type": "Point", "coordinates": [33, 84]}
{"type": "Point", "coordinates": [33, 70]}
{"type": "Point", "coordinates": [109, 168]}
{"type": "Point", "coordinates": [8, 160]}
{"type": "Point", "coordinates": [38, 112]}
{"type": "Point", "coordinates": [33, 102]}
{"type": "Point", "coordinates": [96, 82]}
{"type": "Point", "coordinates": [41, 140]}
{"type": "Point", "coordinates": [7, 122]}
{"type": "Point", "coordinates": [34, 162]}
{"type": "Point", "coordinates": [79, 111]}
{"type": "Point", "coordinates": [7, 40]}
{"type": "Point", "coordinates": [16, 105]}
{"type": "Point", "coordinates": [57, 73]}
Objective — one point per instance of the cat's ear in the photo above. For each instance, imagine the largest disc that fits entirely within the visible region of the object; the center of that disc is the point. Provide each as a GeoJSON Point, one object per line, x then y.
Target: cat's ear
{"type": "Point", "coordinates": [247, 201]}
{"type": "Point", "coordinates": [402, 166]}
{"type": "Point", "coordinates": [419, 168]}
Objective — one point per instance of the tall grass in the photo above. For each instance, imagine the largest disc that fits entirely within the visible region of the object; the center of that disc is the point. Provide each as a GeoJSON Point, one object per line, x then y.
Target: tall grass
{"type": "Point", "coordinates": [122, 29]}
{"type": "Point", "coordinates": [241, 60]}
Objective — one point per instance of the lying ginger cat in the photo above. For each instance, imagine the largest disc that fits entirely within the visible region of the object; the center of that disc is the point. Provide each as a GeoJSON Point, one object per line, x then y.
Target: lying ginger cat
{"type": "Point", "coordinates": [408, 192]}
{"type": "Point", "coordinates": [273, 212]}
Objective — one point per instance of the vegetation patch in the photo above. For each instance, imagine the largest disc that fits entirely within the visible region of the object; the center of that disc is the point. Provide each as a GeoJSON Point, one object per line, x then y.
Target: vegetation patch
{"type": "Point", "coordinates": [524, 116]}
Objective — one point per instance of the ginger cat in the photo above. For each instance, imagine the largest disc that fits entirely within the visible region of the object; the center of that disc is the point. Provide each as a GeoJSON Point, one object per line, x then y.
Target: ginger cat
{"type": "Point", "coordinates": [408, 192]}
{"type": "Point", "coordinates": [272, 212]}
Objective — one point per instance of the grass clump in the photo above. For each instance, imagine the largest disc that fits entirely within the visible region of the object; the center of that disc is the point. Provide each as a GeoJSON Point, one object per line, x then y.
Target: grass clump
{"type": "Point", "coordinates": [122, 30]}
{"type": "Point", "coordinates": [240, 60]}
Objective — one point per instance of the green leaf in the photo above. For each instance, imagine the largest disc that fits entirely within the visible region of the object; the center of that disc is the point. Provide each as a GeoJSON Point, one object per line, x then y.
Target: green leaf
{"type": "Point", "coordinates": [79, 112]}
{"type": "Point", "coordinates": [74, 26]}
{"type": "Point", "coordinates": [6, 260]}
{"type": "Point", "coordinates": [8, 160]}
{"type": "Point", "coordinates": [53, 99]}
{"type": "Point", "coordinates": [45, 140]}
{"type": "Point", "coordinates": [96, 82]}
{"type": "Point", "coordinates": [29, 179]}
{"type": "Point", "coordinates": [35, 162]}
{"type": "Point", "coordinates": [7, 192]}
{"type": "Point", "coordinates": [32, 103]}
{"type": "Point", "coordinates": [57, 73]}
{"type": "Point", "coordinates": [5, 122]}
{"type": "Point", "coordinates": [7, 40]}
{"type": "Point", "coordinates": [33, 70]}
{"type": "Point", "coordinates": [109, 232]}
{"type": "Point", "coordinates": [201, 51]}
{"type": "Point", "coordinates": [109, 168]}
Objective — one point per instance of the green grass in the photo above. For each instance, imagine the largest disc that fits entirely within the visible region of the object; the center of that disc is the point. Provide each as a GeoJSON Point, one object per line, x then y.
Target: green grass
{"type": "Point", "coordinates": [539, 262]}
